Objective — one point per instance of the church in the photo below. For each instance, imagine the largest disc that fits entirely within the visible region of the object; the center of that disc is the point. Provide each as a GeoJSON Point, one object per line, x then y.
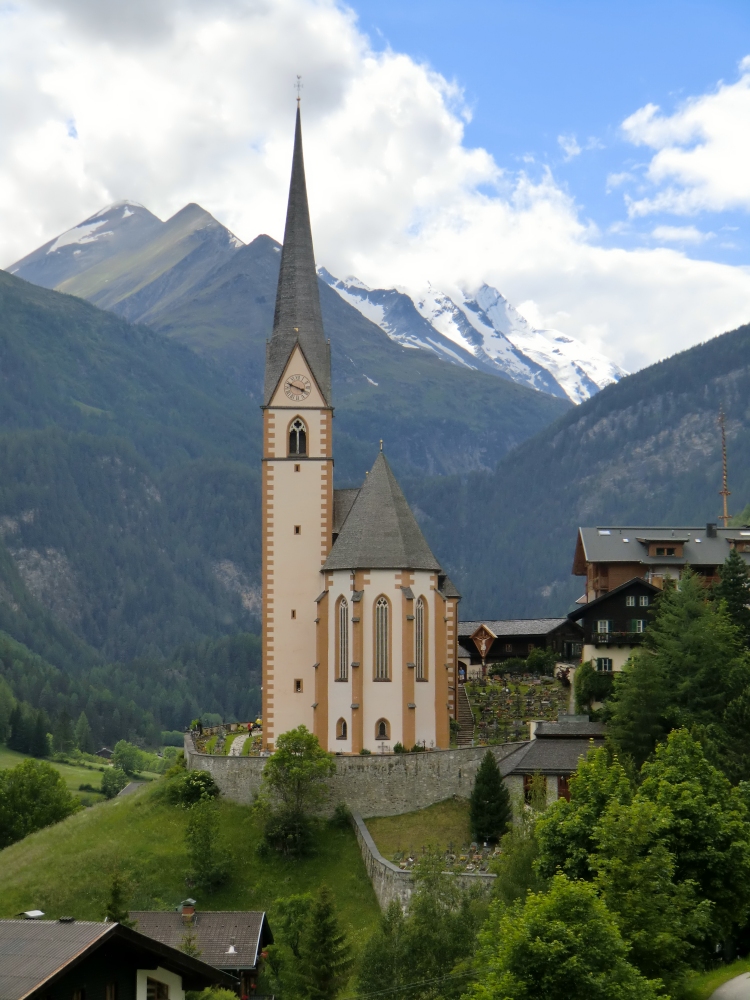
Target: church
{"type": "Point", "coordinates": [359, 628]}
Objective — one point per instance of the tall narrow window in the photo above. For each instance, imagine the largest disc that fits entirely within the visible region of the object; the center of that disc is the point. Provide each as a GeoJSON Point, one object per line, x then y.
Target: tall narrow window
{"type": "Point", "coordinates": [343, 649]}
{"type": "Point", "coordinates": [297, 438]}
{"type": "Point", "coordinates": [420, 639]}
{"type": "Point", "coordinates": [382, 640]}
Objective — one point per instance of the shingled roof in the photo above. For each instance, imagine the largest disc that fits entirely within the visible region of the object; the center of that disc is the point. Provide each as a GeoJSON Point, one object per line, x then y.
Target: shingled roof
{"type": "Point", "coordinates": [380, 531]}
{"type": "Point", "coordinates": [216, 931]}
{"type": "Point", "coordinates": [297, 318]}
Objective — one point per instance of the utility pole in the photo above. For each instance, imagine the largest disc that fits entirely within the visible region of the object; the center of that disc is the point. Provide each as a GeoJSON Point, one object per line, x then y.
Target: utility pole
{"type": "Point", "coordinates": [724, 492]}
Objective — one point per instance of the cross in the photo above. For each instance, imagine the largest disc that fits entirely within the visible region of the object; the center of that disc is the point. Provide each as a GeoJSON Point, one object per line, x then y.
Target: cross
{"type": "Point", "coordinates": [298, 87]}
{"type": "Point", "coordinates": [384, 747]}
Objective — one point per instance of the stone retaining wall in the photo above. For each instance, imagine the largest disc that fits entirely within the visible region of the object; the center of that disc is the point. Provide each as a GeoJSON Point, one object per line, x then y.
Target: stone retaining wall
{"type": "Point", "coordinates": [380, 785]}
{"type": "Point", "coordinates": [390, 882]}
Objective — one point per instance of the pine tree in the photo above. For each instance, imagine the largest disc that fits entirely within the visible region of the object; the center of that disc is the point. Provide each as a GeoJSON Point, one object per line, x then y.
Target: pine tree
{"type": "Point", "coordinates": [64, 737]}
{"type": "Point", "coordinates": [325, 953]}
{"type": "Point", "coordinates": [84, 739]}
{"type": "Point", "coordinates": [39, 745]}
{"type": "Point", "coordinates": [490, 809]}
{"type": "Point", "coordinates": [734, 588]}
{"type": "Point", "coordinates": [117, 911]}
{"type": "Point", "coordinates": [20, 730]}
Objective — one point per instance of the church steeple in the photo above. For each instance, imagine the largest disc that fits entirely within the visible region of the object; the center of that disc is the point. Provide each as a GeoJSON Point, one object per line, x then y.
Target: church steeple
{"type": "Point", "coordinates": [297, 318]}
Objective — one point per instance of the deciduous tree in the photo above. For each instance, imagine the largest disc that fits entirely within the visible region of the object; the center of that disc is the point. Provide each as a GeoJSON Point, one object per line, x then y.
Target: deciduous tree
{"type": "Point", "coordinates": [32, 795]}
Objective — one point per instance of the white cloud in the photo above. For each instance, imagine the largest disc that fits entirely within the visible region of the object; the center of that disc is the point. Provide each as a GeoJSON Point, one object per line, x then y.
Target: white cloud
{"type": "Point", "coordinates": [680, 234]}
{"type": "Point", "coordinates": [569, 145]}
{"type": "Point", "coordinates": [170, 101]}
{"type": "Point", "coordinates": [702, 159]}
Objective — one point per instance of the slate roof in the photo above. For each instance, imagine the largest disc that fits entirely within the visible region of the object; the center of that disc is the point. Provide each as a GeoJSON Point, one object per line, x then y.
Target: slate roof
{"type": "Point", "coordinates": [35, 953]}
{"type": "Point", "coordinates": [618, 544]}
{"type": "Point", "coordinates": [548, 756]}
{"type": "Point", "coordinates": [342, 504]}
{"type": "Point", "coordinates": [514, 626]}
{"type": "Point", "coordinates": [215, 932]}
{"type": "Point", "coordinates": [569, 730]}
{"type": "Point", "coordinates": [297, 317]}
{"type": "Point", "coordinates": [381, 532]}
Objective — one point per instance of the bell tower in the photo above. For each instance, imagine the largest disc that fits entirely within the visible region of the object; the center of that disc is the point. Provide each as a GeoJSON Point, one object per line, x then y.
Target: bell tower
{"type": "Point", "coordinates": [297, 474]}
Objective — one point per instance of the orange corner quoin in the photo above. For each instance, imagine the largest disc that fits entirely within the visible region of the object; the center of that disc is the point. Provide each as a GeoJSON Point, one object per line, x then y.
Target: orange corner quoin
{"type": "Point", "coordinates": [359, 626]}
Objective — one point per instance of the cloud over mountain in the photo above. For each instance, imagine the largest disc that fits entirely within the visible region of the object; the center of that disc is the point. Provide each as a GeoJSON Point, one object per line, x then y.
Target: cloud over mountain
{"type": "Point", "coordinates": [180, 101]}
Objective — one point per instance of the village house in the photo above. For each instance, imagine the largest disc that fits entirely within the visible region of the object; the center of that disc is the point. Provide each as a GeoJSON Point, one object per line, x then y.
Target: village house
{"type": "Point", "coordinates": [614, 624]}
{"type": "Point", "coordinates": [484, 642]}
{"type": "Point", "coordinates": [70, 959]}
{"type": "Point", "coordinates": [611, 556]}
{"type": "Point", "coordinates": [230, 940]}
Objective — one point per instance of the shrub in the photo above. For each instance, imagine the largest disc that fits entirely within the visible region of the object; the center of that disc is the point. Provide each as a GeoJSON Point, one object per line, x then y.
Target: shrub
{"type": "Point", "coordinates": [210, 862]}
{"type": "Point", "coordinates": [399, 748]}
{"type": "Point", "coordinates": [288, 831]}
{"type": "Point", "coordinates": [189, 788]}
{"type": "Point", "coordinates": [127, 757]}
{"type": "Point", "coordinates": [114, 780]}
{"type": "Point", "coordinates": [364, 752]}
{"type": "Point", "coordinates": [172, 738]}
{"type": "Point", "coordinates": [32, 795]}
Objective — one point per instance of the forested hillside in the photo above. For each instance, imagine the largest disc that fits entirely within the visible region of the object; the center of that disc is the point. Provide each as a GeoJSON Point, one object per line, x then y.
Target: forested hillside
{"type": "Point", "coordinates": [644, 451]}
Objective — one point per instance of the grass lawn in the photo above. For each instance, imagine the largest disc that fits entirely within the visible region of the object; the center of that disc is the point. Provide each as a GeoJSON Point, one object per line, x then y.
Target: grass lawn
{"type": "Point", "coordinates": [65, 869]}
{"type": "Point", "coordinates": [74, 776]}
{"type": "Point", "coordinates": [437, 826]}
{"type": "Point", "coordinates": [701, 987]}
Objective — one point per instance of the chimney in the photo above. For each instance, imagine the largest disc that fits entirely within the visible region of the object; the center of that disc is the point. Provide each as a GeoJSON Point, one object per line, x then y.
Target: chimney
{"type": "Point", "coordinates": [711, 530]}
{"type": "Point", "coordinates": [188, 911]}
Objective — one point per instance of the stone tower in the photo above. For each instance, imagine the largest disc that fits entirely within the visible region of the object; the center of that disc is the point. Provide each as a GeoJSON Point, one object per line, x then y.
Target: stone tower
{"type": "Point", "coordinates": [297, 478]}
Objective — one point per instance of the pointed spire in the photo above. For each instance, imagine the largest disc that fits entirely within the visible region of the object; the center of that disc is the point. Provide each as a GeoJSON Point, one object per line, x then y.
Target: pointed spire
{"type": "Point", "coordinates": [380, 531]}
{"type": "Point", "coordinates": [297, 317]}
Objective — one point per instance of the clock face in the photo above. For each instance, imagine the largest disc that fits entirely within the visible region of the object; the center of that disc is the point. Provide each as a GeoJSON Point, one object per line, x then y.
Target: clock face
{"type": "Point", "coordinates": [297, 387]}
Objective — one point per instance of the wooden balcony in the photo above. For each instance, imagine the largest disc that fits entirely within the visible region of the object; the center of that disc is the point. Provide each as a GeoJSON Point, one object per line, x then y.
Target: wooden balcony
{"type": "Point", "coordinates": [616, 638]}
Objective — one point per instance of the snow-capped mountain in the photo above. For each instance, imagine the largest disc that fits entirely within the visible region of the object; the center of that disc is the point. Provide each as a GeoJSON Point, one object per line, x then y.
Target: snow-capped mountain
{"type": "Point", "coordinates": [484, 331]}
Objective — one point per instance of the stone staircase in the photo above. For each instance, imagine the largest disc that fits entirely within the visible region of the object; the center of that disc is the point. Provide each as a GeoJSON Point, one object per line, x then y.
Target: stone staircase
{"type": "Point", "coordinates": [465, 735]}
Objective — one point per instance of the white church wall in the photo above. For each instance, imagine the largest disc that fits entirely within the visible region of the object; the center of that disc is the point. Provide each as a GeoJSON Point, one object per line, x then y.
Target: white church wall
{"type": "Point", "coordinates": [340, 694]}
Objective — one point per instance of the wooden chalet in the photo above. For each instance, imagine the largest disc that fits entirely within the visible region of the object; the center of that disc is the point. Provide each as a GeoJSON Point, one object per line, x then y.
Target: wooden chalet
{"type": "Point", "coordinates": [482, 643]}
{"type": "Point", "coordinates": [615, 623]}
{"type": "Point", "coordinates": [611, 556]}
{"type": "Point", "coordinates": [70, 959]}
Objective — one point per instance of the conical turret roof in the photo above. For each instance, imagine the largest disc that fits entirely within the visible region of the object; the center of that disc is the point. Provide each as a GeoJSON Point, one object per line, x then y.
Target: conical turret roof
{"type": "Point", "coordinates": [380, 531]}
{"type": "Point", "coordinates": [297, 317]}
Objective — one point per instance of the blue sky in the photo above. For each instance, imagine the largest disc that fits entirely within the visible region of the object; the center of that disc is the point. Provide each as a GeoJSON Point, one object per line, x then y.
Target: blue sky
{"type": "Point", "coordinates": [534, 70]}
{"type": "Point", "coordinates": [630, 235]}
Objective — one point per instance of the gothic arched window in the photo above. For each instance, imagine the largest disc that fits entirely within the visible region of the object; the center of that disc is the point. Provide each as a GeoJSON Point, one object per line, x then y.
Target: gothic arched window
{"type": "Point", "coordinates": [382, 639]}
{"type": "Point", "coordinates": [341, 729]}
{"type": "Point", "coordinates": [297, 437]}
{"type": "Point", "coordinates": [382, 729]}
{"type": "Point", "coordinates": [420, 639]}
{"type": "Point", "coordinates": [342, 650]}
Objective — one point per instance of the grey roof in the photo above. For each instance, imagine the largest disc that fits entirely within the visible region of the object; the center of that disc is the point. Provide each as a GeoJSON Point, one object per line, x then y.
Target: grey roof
{"type": "Point", "coordinates": [569, 730]}
{"type": "Point", "coordinates": [342, 504]}
{"type": "Point", "coordinates": [546, 757]}
{"type": "Point", "coordinates": [35, 953]}
{"type": "Point", "coordinates": [447, 588]}
{"type": "Point", "coordinates": [618, 544]}
{"type": "Point", "coordinates": [381, 532]}
{"type": "Point", "coordinates": [215, 932]}
{"type": "Point", "coordinates": [297, 318]}
{"type": "Point", "coordinates": [514, 626]}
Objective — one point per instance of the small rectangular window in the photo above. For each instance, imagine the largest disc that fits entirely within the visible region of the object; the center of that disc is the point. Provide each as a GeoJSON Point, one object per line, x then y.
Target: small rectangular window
{"type": "Point", "coordinates": [298, 686]}
{"type": "Point", "coordinates": [508, 647]}
{"type": "Point", "coordinates": [630, 601]}
{"type": "Point", "coordinates": [640, 625]}
{"type": "Point", "coordinates": [297, 467]}
{"type": "Point", "coordinates": [643, 600]}
{"type": "Point", "coordinates": [603, 625]}
{"type": "Point", "coordinates": [156, 990]}
{"type": "Point", "coordinates": [294, 613]}
{"type": "Point", "coordinates": [298, 529]}
{"type": "Point", "coordinates": [604, 664]}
